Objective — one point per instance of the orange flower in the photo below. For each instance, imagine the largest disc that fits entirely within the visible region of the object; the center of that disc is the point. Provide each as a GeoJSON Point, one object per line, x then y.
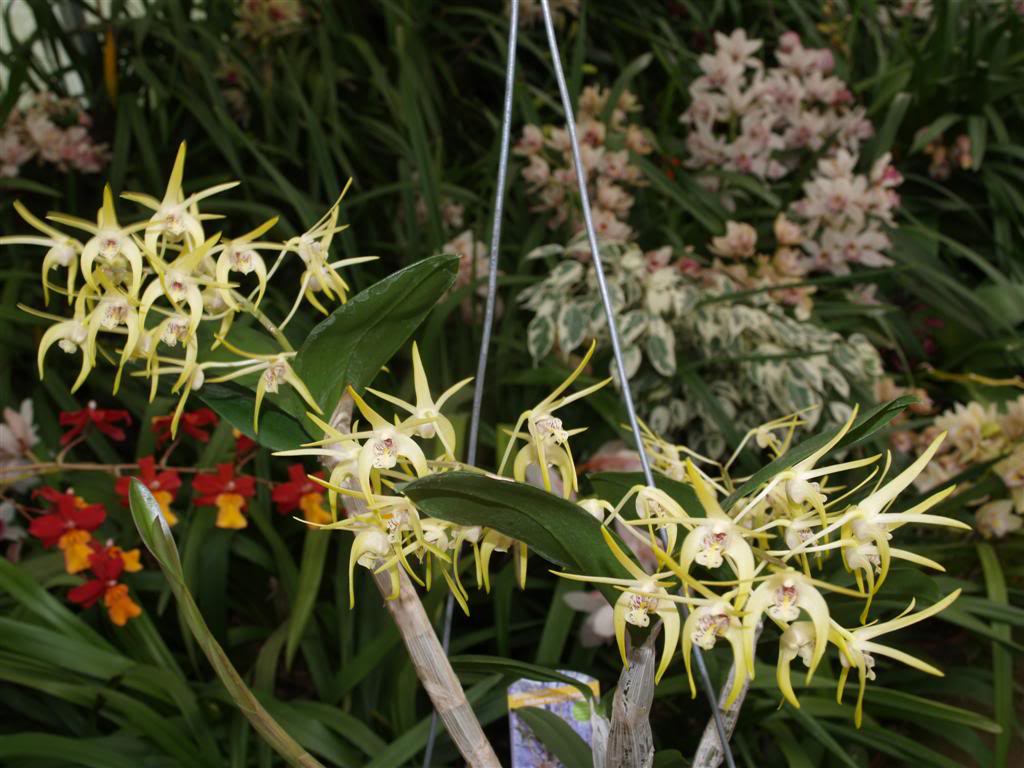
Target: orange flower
{"type": "Point", "coordinates": [107, 564]}
{"type": "Point", "coordinates": [163, 485]}
{"type": "Point", "coordinates": [129, 559]}
{"type": "Point", "coordinates": [77, 552]}
{"type": "Point", "coordinates": [120, 606]}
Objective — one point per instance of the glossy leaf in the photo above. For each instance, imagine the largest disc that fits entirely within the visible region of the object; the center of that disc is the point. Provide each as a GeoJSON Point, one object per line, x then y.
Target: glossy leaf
{"type": "Point", "coordinates": [235, 403]}
{"type": "Point", "coordinates": [556, 529]}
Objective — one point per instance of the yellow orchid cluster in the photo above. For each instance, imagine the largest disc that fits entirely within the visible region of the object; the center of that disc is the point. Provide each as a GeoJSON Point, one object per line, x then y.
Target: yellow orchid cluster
{"type": "Point", "coordinates": [775, 541]}
{"type": "Point", "coordinates": [147, 287]}
{"type": "Point", "coordinates": [772, 541]}
{"type": "Point", "coordinates": [368, 463]}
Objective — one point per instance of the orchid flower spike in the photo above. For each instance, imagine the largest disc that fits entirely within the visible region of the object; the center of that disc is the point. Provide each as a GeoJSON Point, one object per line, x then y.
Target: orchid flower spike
{"type": "Point", "coordinates": [384, 445]}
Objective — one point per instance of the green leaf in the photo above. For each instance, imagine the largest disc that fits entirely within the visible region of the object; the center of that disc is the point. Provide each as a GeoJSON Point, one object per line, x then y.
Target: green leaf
{"type": "Point", "coordinates": [17, 582]}
{"type": "Point", "coordinates": [351, 346]}
{"type": "Point", "coordinates": [933, 131]}
{"type": "Point", "coordinates": [314, 554]}
{"type": "Point", "coordinates": [977, 131]}
{"type": "Point", "coordinates": [236, 404]}
{"type": "Point", "coordinates": [1002, 660]}
{"type": "Point", "coordinates": [513, 669]}
{"type": "Point", "coordinates": [866, 425]}
{"type": "Point", "coordinates": [918, 706]}
{"type": "Point", "coordinates": [815, 729]}
{"type": "Point", "coordinates": [556, 529]}
{"type": "Point", "coordinates": [558, 736]}
{"type": "Point", "coordinates": [886, 135]}
{"type": "Point", "coordinates": [93, 753]}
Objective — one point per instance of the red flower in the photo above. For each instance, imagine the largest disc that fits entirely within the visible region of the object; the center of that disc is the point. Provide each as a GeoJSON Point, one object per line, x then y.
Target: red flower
{"type": "Point", "coordinates": [301, 493]}
{"type": "Point", "coordinates": [164, 486]}
{"type": "Point", "coordinates": [70, 514]}
{"type": "Point", "coordinates": [193, 422]}
{"type": "Point", "coordinates": [104, 420]}
{"type": "Point", "coordinates": [243, 444]}
{"type": "Point", "coordinates": [221, 489]}
{"type": "Point", "coordinates": [107, 565]}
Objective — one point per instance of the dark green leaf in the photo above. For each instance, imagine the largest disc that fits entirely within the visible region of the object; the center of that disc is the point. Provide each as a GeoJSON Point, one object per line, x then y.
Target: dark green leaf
{"type": "Point", "coordinates": [556, 529]}
{"type": "Point", "coordinates": [236, 404]}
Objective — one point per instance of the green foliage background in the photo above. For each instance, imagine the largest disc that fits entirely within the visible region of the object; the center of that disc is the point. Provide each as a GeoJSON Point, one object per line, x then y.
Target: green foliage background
{"type": "Point", "coordinates": [402, 96]}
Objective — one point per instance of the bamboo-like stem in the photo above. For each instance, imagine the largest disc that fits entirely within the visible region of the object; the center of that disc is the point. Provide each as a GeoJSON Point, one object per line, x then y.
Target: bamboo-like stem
{"type": "Point", "coordinates": [630, 741]}
{"type": "Point", "coordinates": [428, 657]}
{"type": "Point", "coordinates": [709, 751]}
{"type": "Point", "coordinates": [436, 674]}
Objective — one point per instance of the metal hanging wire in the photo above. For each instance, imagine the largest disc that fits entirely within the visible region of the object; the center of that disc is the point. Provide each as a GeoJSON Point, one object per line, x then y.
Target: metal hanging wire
{"type": "Point", "coordinates": [492, 297]}
{"type": "Point", "coordinates": [613, 332]}
{"type": "Point", "coordinates": [488, 322]}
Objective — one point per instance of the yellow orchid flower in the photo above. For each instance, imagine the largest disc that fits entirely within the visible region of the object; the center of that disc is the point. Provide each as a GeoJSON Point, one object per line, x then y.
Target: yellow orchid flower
{"type": "Point", "coordinates": [110, 242]}
{"type": "Point", "coordinates": [313, 247]}
{"type": "Point", "coordinates": [241, 254]}
{"type": "Point", "coordinates": [175, 217]}
{"type": "Point", "coordinates": [643, 594]}
{"type": "Point", "coordinates": [867, 527]}
{"type": "Point", "coordinates": [427, 411]}
{"type": "Point", "coordinates": [703, 627]}
{"type": "Point", "coordinates": [782, 596]}
{"type": "Point", "coordinates": [796, 492]}
{"type": "Point", "coordinates": [384, 445]}
{"type": "Point", "coordinates": [857, 649]}
{"type": "Point", "coordinates": [275, 370]}
{"type": "Point", "coordinates": [71, 336]}
{"type": "Point", "coordinates": [180, 283]}
{"type": "Point", "coordinates": [548, 439]}
{"type": "Point", "coordinates": [716, 538]}
{"type": "Point", "coordinates": [63, 251]}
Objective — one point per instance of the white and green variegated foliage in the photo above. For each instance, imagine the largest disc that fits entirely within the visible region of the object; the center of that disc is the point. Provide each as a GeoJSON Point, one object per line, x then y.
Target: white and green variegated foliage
{"type": "Point", "coordinates": [697, 356]}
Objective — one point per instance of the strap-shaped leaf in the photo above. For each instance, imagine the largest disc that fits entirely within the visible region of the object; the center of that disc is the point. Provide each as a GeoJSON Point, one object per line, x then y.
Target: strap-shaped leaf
{"type": "Point", "coordinates": [558, 736]}
{"type": "Point", "coordinates": [866, 425]}
{"type": "Point", "coordinates": [557, 530]}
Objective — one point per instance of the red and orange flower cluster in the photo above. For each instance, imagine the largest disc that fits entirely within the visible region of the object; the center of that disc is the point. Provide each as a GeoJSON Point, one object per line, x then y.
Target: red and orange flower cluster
{"type": "Point", "coordinates": [71, 522]}
{"type": "Point", "coordinates": [69, 525]}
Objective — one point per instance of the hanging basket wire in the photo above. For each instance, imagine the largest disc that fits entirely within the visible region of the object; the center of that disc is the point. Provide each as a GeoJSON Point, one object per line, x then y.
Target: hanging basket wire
{"type": "Point", "coordinates": [488, 323]}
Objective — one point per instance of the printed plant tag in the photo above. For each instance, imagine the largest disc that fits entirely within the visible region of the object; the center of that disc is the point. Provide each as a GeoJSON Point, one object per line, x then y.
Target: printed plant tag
{"type": "Point", "coordinates": [562, 699]}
